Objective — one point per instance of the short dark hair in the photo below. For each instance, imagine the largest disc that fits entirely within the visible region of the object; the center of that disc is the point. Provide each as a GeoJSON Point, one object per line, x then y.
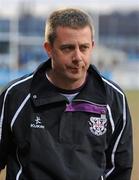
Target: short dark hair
{"type": "Point", "coordinates": [69, 17]}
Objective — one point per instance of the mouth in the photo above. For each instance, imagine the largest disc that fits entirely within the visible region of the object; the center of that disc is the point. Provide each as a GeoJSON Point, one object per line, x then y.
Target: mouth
{"type": "Point", "coordinates": [75, 69]}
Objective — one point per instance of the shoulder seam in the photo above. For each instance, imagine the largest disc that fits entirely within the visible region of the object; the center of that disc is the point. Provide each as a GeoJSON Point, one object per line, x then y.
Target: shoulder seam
{"type": "Point", "coordinates": [113, 86]}
{"type": "Point", "coordinates": [122, 130]}
{"type": "Point", "coordinates": [4, 100]}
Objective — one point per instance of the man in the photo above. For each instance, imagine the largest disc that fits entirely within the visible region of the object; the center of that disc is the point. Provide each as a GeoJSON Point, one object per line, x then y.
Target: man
{"type": "Point", "coordinates": [65, 121]}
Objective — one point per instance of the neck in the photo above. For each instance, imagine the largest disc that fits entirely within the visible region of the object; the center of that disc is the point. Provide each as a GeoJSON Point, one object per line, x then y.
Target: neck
{"type": "Point", "coordinates": [64, 83]}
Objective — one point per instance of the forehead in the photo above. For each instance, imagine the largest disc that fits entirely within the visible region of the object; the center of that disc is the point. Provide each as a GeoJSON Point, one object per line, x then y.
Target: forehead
{"type": "Point", "coordinates": [71, 34]}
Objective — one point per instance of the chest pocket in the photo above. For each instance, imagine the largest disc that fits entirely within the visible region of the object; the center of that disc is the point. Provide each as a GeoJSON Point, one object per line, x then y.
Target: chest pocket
{"type": "Point", "coordinates": [81, 122]}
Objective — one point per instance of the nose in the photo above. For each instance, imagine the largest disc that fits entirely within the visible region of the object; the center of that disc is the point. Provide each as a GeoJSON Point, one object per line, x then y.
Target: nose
{"type": "Point", "coordinates": [77, 55]}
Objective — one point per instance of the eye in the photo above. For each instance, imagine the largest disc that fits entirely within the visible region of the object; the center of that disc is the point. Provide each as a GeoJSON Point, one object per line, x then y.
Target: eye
{"type": "Point", "coordinates": [67, 48]}
{"type": "Point", "coordinates": [84, 48]}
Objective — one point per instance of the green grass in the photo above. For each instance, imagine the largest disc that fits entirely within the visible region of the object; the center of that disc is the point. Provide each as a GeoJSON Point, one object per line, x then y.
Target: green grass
{"type": "Point", "coordinates": [133, 100]}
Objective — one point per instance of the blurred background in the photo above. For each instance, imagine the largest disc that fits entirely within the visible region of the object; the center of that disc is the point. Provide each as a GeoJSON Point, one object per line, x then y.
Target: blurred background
{"type": "Point", "coordinates": [116, 52]}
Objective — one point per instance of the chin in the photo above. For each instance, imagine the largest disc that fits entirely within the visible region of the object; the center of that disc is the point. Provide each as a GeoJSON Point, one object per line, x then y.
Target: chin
{"type": "Point", "coordinates": [75, 77]}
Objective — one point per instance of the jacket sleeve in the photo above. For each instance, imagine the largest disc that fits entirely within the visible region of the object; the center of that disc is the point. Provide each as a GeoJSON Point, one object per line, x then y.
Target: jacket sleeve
{"type": "Point", "coordinates": [119, 154]}
{"type": "Point", "coordinates": [4, 131]}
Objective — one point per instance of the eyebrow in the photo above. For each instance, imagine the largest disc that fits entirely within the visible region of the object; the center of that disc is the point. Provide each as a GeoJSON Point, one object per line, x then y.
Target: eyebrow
{"type": "Point", "coordinates": [73, 45]}
{"type": "Point", "coordinates": [67, 45]}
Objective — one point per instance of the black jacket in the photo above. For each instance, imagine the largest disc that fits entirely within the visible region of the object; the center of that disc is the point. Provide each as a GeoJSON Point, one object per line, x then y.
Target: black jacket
{"type": "Point", "coordinates": [43, 136]}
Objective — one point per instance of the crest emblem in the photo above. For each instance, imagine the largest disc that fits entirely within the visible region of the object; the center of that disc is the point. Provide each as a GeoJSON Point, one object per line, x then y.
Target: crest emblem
{"type": "Point", "coordinates": [98, 125]}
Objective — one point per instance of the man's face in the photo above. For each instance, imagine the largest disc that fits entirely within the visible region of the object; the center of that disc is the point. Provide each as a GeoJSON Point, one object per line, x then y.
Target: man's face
{"type": "Point", "coordinates": [71, 53]}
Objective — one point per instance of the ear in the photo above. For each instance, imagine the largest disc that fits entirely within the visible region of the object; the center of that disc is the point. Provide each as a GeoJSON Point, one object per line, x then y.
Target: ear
{"type": "Point", "coordinates": [93, 44]}
{"type": "Point", "coordinates": [48, 48]}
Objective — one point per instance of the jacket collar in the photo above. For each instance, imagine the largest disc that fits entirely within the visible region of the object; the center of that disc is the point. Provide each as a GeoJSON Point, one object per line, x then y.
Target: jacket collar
{"type": "Point", "coordinates": [43, 93]}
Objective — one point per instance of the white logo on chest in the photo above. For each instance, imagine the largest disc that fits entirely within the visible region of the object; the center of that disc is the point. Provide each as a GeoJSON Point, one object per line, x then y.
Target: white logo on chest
{"type": "Point", "coordinates": [37, 123]}
{"type": "Point", "coordinates": [97, 125]}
